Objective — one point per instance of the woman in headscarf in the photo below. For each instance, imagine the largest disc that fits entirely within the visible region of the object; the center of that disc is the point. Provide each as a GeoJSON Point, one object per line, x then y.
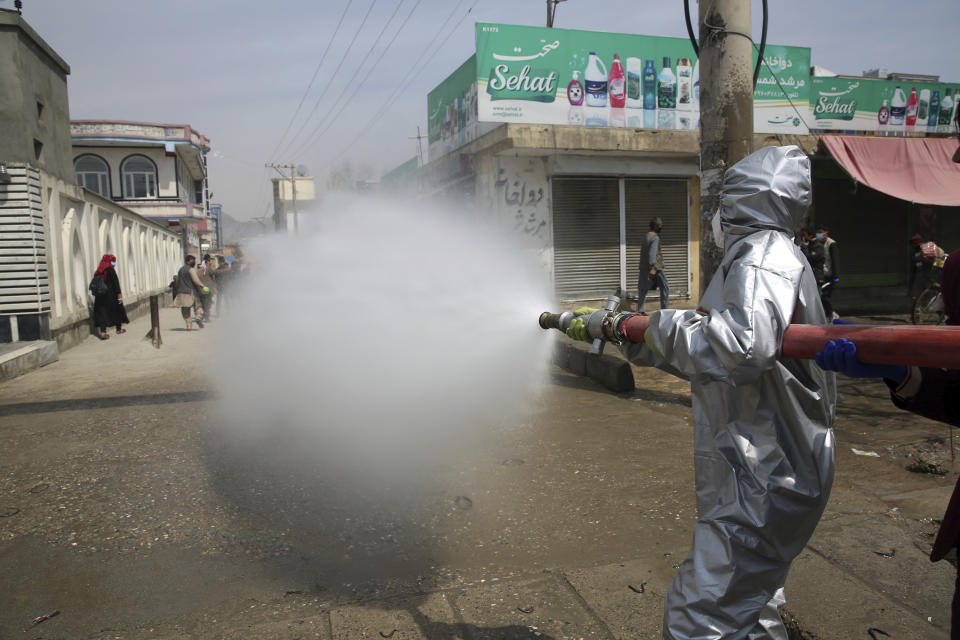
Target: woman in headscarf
{"type": "Point", "coordinates": [108, 307]}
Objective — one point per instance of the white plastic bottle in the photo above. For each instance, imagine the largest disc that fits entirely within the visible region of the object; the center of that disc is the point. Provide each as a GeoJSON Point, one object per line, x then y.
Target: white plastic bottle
{"type": "Point", "coordinates": [696, 85]}
{"type": "Point", "coordinates": [595, 78]}
{"type": "Point", "coordinates": [634, 83]}
{"type": "Point", "coordinates": [956, 106]}
{"type": "Point", "coordinates": [898, 107]}
{"type": "Point", "coordinates": [684, 85]}
{"type": "Point", "coordinates": [946, 112]}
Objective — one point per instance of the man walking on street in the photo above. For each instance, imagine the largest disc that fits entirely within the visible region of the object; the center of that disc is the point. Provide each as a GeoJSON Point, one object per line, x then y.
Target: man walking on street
{"type": "Point", "coordinates": [187, 289]}
{"type": "Point", "coordinates": [651, 269]}
{"type": "Point", "coordinates": [209, 280]}
{"type": "Point", "coordinates": [829, 275]}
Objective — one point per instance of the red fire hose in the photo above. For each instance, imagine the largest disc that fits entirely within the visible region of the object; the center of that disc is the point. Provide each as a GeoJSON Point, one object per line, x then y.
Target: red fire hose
{"type": "Point", "coordinates": [920, 346]}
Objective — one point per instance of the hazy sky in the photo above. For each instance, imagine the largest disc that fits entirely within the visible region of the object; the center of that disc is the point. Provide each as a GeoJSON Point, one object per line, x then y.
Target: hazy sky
{"type": "Point", "coordinates": [236, 71]}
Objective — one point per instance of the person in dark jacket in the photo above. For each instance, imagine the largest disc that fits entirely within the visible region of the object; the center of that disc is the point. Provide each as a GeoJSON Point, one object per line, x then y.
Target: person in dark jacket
{"type": "Point", "coordinates": [829, 274]}
{"type": "Point", "coordinates": [929, 392]}
{"type": "Point", "coordinates": [108, 310]}
{"type": "Point", "coordinates": [813, 250]}
{"type": "Point", "coordinates": [651, 268]}
{"type": "Point", "coordinates": [187, 289]}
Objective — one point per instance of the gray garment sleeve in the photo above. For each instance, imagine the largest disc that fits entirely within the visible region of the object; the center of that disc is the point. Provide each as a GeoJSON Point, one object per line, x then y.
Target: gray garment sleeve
{"type": "Point", "coordinates": [196, 279]}
{"type": "Point", "coordinates": [736, 341]}
{"type": "Point", "coordinates": [652, 250]}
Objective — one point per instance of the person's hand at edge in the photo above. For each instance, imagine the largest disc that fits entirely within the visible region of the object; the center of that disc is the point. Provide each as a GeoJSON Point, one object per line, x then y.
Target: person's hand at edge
{"type": "Point", "coordinates": [841, 356]}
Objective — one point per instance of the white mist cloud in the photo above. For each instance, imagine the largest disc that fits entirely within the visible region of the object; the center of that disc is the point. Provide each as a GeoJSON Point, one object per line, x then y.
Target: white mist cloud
{"type": "Point", "coordinates": [386, 337]}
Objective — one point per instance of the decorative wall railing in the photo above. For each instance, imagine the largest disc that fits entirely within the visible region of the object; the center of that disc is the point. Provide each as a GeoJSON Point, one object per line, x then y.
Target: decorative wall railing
{"type": "Point", "coordinates": [52, 236]}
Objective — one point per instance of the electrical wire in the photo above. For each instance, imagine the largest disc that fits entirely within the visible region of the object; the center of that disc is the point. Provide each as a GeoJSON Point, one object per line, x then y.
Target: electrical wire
{"type": "Point", "coordinates": [716, 30]}
{"type": "Point", "coordinates": [334, 112]}
{"type": "Point", "coordinates": [763, 45]}
{"type": "Point", "coordinates": [336, 71]}
{"type": "Point", "coordinates": [693, 40]}
{"type": "Point", "coordinates": [312, 79]}
{"type": "Point", "coordinates": [387, 103]}
{"type": "Point", "coordinates": [398, 91]}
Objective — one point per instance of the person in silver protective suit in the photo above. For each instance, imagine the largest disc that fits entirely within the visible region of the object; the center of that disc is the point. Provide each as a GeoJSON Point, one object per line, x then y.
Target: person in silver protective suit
{"type": "Point", "coordinates": [763, 438]}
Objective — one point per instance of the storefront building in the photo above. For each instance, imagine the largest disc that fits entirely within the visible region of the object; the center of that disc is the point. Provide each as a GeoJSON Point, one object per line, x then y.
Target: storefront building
{"type": "Point", "coordinates": [576, 140]}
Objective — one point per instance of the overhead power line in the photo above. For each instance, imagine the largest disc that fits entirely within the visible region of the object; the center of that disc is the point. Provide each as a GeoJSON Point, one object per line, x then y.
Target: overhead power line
{"type": "Point", "coordinates": [336, 71]}
{"type": "Point", "coordinates": [332, 117]}
{"type": "Point", "coordinates": [334, 112]}
{"type": "Point", "coordinates": [312, 79]}
{"type": "Point", "coordinates": [403, 82]}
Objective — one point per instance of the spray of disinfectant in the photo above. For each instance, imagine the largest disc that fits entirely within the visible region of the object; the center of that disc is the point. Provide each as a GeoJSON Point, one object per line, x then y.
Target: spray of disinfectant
{"type": "Point", "coordinates": [379, 342]}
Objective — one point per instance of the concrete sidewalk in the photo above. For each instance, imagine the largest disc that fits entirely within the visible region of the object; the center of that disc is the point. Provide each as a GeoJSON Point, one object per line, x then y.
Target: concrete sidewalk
{"type": "Point", "coordinates": [125, 513]}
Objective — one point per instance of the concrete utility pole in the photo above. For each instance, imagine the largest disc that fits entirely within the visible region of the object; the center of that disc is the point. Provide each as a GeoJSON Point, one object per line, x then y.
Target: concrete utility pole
{"type": "Point", "coordinates": [552, 10]}
{"type": "Point", "coordinates": [726, 109]}
{"type": "Point", "coordinates": [293, 187]}
{"type": "Point", "coordinates": [418, 138]}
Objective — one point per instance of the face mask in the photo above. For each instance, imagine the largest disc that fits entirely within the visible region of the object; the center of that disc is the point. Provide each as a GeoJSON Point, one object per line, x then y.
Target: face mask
{"type": "Point", "coordinates": [820, 236]}
{"type": "Point", "coordinates": [717, 229]}
{"type": "Point", "coordinates": [113, 264]}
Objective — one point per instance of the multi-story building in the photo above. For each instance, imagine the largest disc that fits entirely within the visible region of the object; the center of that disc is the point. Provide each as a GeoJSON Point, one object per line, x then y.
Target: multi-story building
{"type": "Point", "coordinates": [52, 232]}
{"type": "Point", "coordinates": [157, 170]}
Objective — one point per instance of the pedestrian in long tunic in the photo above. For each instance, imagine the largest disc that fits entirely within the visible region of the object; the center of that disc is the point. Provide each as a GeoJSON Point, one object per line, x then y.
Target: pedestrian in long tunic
{"type": "Point", "coordinates": [108, 310]}
{"type": "Point", "coordinates": [188, 290]}
{"type": "Point", "coordinates": [207, 277]}
{"type": "Point", "coordinates": [222, 275]}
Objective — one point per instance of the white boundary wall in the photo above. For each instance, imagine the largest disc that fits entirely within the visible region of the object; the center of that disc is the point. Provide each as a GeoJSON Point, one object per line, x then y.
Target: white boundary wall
{"type": "Point", "coordinates": [78, 228]}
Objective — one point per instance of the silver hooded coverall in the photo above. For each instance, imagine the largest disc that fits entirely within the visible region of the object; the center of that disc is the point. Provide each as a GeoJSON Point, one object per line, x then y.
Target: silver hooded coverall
{"type": "Point", "coordinates": [763, 438]}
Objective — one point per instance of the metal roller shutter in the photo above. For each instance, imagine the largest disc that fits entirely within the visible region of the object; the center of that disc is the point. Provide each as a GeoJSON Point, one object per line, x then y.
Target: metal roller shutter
{"type": "Point", "coordinates": [586, 237]}
{"type": "Point", "coordinates": [645, 200]}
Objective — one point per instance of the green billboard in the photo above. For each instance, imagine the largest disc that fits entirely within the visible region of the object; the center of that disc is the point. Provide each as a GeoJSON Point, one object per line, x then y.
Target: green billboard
{"type": "Point", "coordinates": [452, 111]}
{"type": "Point", "coordinates": [589, 78]}
{"type": "Point", "coordinates": [891, 107]}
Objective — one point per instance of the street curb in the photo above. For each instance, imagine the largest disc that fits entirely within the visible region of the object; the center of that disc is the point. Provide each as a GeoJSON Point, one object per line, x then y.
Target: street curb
{"type": "Point", "coordinates": [32, 355]}
{"type": "Point", "coordinates": [610, 371]}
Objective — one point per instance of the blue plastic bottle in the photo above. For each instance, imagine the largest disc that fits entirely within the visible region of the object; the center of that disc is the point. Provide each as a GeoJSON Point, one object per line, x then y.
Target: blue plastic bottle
{"type": "Point", "coordinates": [649, 85]}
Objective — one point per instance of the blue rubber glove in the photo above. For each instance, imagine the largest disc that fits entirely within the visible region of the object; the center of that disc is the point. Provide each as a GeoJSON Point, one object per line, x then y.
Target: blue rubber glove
{"type": "Point", "coordinates": [578, 326]}
{"type": "Point", "coordinates": [836, 281]}
{"type": "Point", "coordinates": [841, 356]}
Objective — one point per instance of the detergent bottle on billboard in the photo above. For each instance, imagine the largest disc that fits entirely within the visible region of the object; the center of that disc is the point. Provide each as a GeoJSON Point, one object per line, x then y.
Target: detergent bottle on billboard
{"type": "Point", "coordinates": [946, 109]}
{"type": "Point", "coordinates": [934, 110]}
{"type": "Point", "coordinates": [575, 90]}
{"type": "Point", "coordinates": [684, 84]}
{"type": "Point", "coordinates": [666, 86]}
{"type": "Point", "coordinates": [883, 117]}
{"type": "Point", "coordinates": [912, 106]}
{"type": "Point", "coordinates": [696, 85]}
{"type": "Point", "coordinates": [956, 106]}
{"type": "Point", "coordinates": [618, 83]}
{"type": "Point", "coordinates": [635, 83]}
{"type": "Point", "coordinates": [923, 109]}
{"type": "Point", "coordinates": [649, 85]}
{"type": "Point", "coordinates": [898, 107]}
{"type": "Point", "coordinates": [596, 81]}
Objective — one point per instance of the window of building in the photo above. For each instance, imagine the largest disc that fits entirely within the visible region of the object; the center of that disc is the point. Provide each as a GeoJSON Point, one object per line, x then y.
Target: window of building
{"type": "Point", "coordinates": [139, 177]}
{"type": "Point", "coordinates": [198, 191]}
{"type": "Point", "coordinates": [93, 174]}
{"type": "Point", "coordinates": [38, 150]}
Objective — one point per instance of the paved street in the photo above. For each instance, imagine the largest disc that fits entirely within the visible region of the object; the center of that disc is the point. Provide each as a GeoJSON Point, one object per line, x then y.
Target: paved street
{"type": "Point", "coordinates": [124, 510]}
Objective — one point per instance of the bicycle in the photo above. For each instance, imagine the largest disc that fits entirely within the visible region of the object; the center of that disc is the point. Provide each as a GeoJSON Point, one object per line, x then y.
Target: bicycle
{"type": "Point", "coordinates": [928, 308]}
